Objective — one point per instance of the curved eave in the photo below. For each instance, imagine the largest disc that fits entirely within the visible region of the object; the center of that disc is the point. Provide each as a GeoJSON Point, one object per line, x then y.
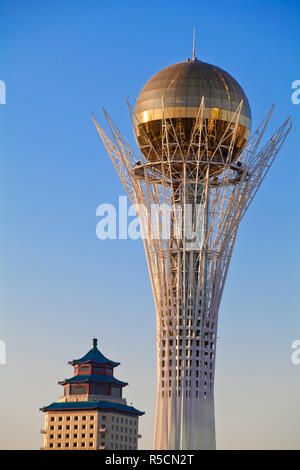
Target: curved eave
{"type": "Point", "coordinates": [92, 405]}
{"type": "Point", "coordinates": [101, 379]}
{"type": "Point", "coordinates": [90, 361]}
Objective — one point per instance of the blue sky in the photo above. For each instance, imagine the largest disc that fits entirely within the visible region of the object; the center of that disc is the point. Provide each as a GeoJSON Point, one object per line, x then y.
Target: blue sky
{"type": "Point", "coordinates": [60, 285]}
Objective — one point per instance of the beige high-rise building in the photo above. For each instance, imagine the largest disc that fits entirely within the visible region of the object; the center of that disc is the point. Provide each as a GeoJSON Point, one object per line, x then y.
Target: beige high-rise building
{"type": "Point", "coordinates": [92, 414]}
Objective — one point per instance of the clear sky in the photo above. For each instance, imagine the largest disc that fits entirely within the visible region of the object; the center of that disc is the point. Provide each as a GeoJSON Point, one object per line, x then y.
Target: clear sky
{"type": "Point", "coordinates": [60, 285]}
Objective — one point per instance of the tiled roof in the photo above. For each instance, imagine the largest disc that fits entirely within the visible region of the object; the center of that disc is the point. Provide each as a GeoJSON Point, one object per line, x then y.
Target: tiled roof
{"type": "Point", "coordinates": [94, 355]}
{"type": "Point", "coordinates": [94, 378]}
{"type": "Point", "coordinates": [91, 405]}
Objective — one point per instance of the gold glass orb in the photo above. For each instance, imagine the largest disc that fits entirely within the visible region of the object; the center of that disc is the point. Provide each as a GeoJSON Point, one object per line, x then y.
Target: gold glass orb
{"type": "Point", "coordinates": [179, 89]}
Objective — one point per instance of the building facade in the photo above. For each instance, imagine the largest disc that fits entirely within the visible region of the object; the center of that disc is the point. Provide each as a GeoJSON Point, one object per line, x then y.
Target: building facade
{"type": "Point", "coordinates": [92, 413]}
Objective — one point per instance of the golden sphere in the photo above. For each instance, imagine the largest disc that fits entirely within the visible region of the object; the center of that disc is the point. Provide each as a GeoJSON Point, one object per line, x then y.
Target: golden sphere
{"type": "Point", "coordinates": [177, 91]}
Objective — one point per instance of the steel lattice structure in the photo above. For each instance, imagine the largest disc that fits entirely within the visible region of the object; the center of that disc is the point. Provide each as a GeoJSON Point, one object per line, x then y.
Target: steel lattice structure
{"type": "Point", "coordinates": [187, 277]}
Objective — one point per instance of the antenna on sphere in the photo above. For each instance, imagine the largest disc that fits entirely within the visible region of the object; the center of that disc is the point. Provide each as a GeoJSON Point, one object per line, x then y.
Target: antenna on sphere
{"type": "Point", "coordinates": [194, 44]}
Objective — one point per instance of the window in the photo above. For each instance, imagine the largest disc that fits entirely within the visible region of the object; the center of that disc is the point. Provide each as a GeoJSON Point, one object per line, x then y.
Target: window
{"type": "Point", "coordinates": [115, 392]}
{"type": "Point", "coordinates": [75, 436]}
{"type": "Point", "coordinates": [91, 444]}
{"type": "Point", "coordinates": [59, 444]}
{"type": "Point", "coordinates": [51, 428]}
{"type": "Point", "coordinates": [67, 436]}
{"type": "Point", "coordinates": [75, 418]}
{"type": "Point", "coordinates": [60, 418]}
{"type": "Point", "coordinates": [59, 436]}
{"type": "Point", "coordinates": [68, 426]}
{"type": "Point", "coordinates": [83, 426]}
{"type": "Point", "coordinates": [51, 436]}
{"type": "Point", "coordinates": [78, 389]}
{"type": "Point", "coordinates": [67, 444]}
{"type": "Point", "coordinates": [84, 418]}
{"type": "Point", "coordinates": [91, 426]}
{"type": "Point", "coordinates": [92, 417]}
{"type": "Point", "coordinates": [83, 435]}
{"type": "Point", "coordinates": [59, 427]}
{"type": "Point", "coordinates": [98, 370]}
{"type": "Point", "coordinates": [52, 418]}
{"type": "Point", "coordinates": [74, 444]}
{"type": "Point", "coordinates": [91, 435]}
{"type": "Point", "coordinates": [68, 418]}
{"type": "Point", "coordinates": [100, 389]}
{"type": "Point", "coordinates": [75, 426]}
{"type": "Point", "coordinates": [51, 445]}
{"type": "Point", "coordinates": [83, 444]}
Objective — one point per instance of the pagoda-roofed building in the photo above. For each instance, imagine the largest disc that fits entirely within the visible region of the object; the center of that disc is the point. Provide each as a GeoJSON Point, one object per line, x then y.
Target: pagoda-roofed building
{"type": "Point", "coordinates": [93, 378]}
{"type": "Point", "coordinates": [92, 413]}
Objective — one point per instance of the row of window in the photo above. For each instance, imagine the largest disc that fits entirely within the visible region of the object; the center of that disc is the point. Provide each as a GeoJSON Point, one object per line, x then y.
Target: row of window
{"type": "Point", "coordinates": [188, 363]}
{"type": "Point", "coordinates": [189, 321]}
{"type": "Point", "coordinates": [68, 444]}
{"type": "Point", "coordinates": [117, 419]}
{"type": "Point", "coordinates": [188, 352]}
{"type": "Point", "coordinates": [114, 445]}
{"type": "Point", "coordinates": [68, 418]}
{"type": "Point", "coordinates": [75, 426]}
{"type": "Point", "coordinates": [121, 447]}
{"type": "Point", "coordinates": [93, 370]}
{"type": "Point", "coordinates": [185, 373]}
{"type": "Point", "coordinates": [126, 430]}
{"type": "Point", "coordinates": [189, 342]}
{"type": "Point", "coordinates": [188, 383]}
{"type": "Point", "coordinates": [187, 394]}
{"type": "Point", "coordinates": [75, 436]}
{"type": "Point", "coordinates": [186, 332]}
{"type": "Point", "coordinates": [116, 437]}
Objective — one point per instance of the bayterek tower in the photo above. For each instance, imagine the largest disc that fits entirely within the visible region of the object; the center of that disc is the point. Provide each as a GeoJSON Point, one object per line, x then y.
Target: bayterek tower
{"type": "Point", "coordinates": [199, 166]}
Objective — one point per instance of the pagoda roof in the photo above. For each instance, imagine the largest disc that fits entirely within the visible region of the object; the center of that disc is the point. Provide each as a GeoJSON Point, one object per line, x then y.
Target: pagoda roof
{"type": "Point", "coordinates": [92, 405]}
{"type": "Point", "coordinates": [93, 378]}
{"type": "Point", "coordinates": [95, 356]}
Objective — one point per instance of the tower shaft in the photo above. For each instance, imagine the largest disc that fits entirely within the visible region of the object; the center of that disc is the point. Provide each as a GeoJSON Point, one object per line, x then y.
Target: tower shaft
{"type": "Point", "coordinates": [190, 207]}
